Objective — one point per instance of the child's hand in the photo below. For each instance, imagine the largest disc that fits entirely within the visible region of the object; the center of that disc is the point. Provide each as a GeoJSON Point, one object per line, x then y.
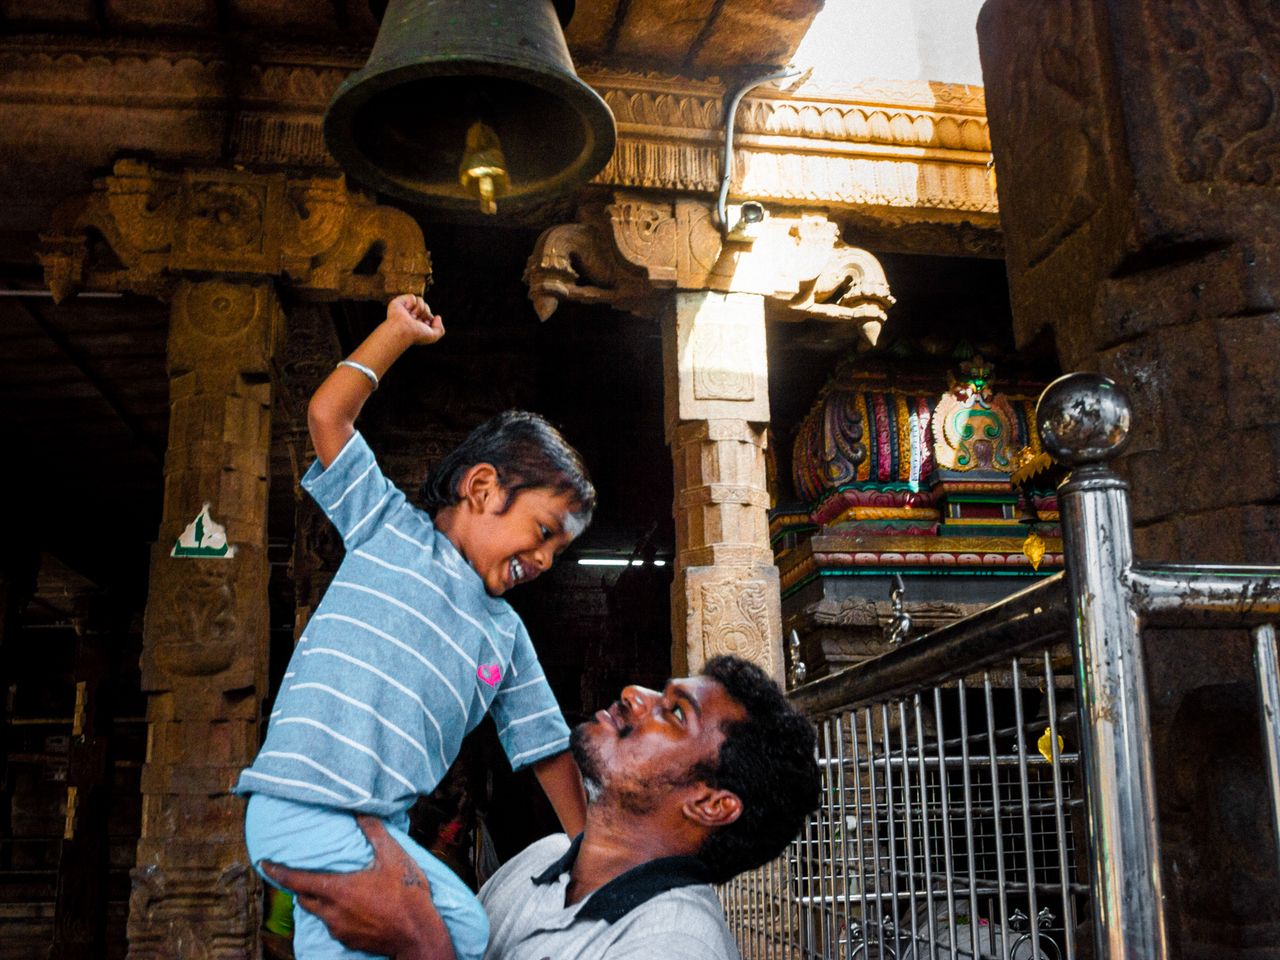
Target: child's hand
{"type": "Point", "coordinates": [411, 314]}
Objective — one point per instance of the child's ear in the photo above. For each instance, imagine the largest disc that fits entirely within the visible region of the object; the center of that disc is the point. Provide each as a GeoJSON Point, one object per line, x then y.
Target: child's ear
{"type": "Point", "coordinates": [480, 489]}
{"type": "Point", "coordinates": [712, 807]}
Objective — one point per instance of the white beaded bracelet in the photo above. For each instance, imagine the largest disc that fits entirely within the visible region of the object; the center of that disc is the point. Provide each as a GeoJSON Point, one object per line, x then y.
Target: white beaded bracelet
{"type": "Point", "coordinates": [361, 368]}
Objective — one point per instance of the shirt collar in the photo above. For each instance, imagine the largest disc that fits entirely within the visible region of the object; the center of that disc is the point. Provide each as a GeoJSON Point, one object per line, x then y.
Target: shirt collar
{"type": "Point", "coordinates": [625, 892]}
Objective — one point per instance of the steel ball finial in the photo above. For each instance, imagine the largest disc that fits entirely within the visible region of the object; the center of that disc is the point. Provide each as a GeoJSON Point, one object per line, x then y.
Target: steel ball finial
{"type": "Point", "coordinates": [1083, 418]}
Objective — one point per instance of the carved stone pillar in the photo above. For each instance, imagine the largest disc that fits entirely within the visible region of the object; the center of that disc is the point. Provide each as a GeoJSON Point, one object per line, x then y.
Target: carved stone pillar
{"type": "Point", "coordinates": [219, 245]}
{"type": "Point", "coordinates": [204, 657]}
{"type": "Point", "coordinates": [712, 297]}
{"type": "Point", "coordinates": [726, 592]}
{"type": "Point", "coordinates": [305, 359]}
{"type": "Point", "coordinates": [1137, 146]}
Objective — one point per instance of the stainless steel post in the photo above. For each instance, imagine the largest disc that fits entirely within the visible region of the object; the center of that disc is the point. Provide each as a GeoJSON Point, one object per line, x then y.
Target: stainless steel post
{"type": "Point", "coordinates": [1268, 672]}
{"type": "Point", "coordinates": [1084, 422]}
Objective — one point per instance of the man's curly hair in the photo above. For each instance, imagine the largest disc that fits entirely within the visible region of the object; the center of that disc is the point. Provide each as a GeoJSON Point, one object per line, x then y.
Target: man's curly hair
{"type": "Point", "coordinates": [769, 761]}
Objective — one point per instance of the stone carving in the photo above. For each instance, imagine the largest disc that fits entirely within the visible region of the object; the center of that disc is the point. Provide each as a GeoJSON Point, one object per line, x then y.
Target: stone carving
{"type": "Point", "coordinates": [950, 116]}
{"type": "Point", "coordinates": [906, 231]}
{"type": "Point", "coordinates": [323, 238]}
{"type": "Point", "coordinates": [693, 108]}
{"type": "Point", "coordinates": [306, 357]}
{"type": "Point", "coordinates": [170, 901]}
{"type": "Point", "coordinates": [930, 139]}
{"type": "Point", "coordinates": [1222, 98]}
{"type": "Point", "coordinates": [1060, 54]}
{"type": "Point", "coordinates": [720, 369]}
{"type": "Point", "coordinates": [735, 619]}
{"type": "Point", "coordinates": [579, 262]}
{"type": "Point", "coordinates": [193, 616]}
{"type": "Point", "coordinates": [623, 253]}
{"type": "Point", "coordinates": [799, 145]}
{"type": "Point", "coordinates": [836, 282]}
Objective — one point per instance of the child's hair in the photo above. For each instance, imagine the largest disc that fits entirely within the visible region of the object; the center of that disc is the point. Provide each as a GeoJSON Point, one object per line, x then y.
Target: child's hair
{"type": "Point", "coordinates": [526, 451]}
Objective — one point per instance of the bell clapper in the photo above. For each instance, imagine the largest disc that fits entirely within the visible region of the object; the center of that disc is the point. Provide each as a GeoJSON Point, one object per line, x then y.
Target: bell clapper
{"type": "Point", "coordinates": [486, 195]}
{"type": "Point", "coordinates": [483, 171]}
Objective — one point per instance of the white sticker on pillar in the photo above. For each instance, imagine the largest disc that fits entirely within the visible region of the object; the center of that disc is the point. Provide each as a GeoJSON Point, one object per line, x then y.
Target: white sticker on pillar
{"type": "Point", "coordinates": [204, 539]}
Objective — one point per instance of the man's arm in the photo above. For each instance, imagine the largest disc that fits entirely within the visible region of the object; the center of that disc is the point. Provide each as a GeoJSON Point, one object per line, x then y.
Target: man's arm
{"type": "Point", "coordinates": [385, 909]}
{"type": "Point", "coordinates": [332, 412]}
{"type": "Point", "coordinates": [562, 783]}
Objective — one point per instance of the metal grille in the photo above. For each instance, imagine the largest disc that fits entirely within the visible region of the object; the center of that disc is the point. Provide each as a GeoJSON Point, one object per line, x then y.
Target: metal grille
{"type": "Point", "coordinates": [941, 823]}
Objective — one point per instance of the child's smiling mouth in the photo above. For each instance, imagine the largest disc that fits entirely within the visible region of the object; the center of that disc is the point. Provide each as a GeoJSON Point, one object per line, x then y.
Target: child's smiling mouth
{"type": "Point", "coordinates": [519, 572]}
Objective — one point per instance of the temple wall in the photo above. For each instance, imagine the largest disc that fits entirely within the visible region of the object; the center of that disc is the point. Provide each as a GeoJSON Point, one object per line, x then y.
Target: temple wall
{"type": "Point", "coordinates": [1136, 145]}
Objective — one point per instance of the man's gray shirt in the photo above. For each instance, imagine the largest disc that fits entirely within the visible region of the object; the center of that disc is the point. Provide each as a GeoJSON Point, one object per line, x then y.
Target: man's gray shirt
{"type": "Point", "coordinates": [663, 910]}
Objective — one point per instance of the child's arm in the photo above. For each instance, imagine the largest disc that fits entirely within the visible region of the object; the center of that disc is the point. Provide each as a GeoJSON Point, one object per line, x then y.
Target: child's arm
{"type": "Point", "coordinates": [332, 413]}
{"type": "Point", "coordinates": [562, 783]}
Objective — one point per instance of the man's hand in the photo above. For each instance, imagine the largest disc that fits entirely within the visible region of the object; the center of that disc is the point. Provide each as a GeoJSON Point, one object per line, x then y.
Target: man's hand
{"type": "Point", "coordinates": [384, 909]}
{"type": "Point", "coordinates": [411, 314]}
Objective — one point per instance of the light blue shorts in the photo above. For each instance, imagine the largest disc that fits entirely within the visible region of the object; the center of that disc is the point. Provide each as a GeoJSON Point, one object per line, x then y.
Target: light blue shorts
{"type": "Point", "coordinates": [318, 838]}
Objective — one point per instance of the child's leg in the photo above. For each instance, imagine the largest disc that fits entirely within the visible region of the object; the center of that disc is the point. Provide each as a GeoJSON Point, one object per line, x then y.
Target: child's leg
{"type": "Point", "coordinates": [317, 838]}
{"type": "Point", "coordinates": [461, 912]}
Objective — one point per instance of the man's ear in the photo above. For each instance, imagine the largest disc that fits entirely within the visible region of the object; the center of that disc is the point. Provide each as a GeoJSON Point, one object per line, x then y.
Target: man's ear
{"type": "Point", "coordinates": [712, 807]}
{"type": "Point", "coordinates": [479, 487]}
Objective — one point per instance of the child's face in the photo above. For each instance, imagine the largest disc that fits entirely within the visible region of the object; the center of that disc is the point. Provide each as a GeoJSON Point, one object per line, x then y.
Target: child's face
{"type": "Point", "coordinates": [511, 547]}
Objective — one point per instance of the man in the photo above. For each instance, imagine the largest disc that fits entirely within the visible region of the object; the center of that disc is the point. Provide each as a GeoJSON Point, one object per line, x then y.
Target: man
{"type": "Point", "coordinates": [686, 787]}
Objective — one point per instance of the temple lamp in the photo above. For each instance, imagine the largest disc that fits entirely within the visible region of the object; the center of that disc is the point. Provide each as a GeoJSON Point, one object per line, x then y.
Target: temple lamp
{"type": "Point", "coordinates": [470, 102]}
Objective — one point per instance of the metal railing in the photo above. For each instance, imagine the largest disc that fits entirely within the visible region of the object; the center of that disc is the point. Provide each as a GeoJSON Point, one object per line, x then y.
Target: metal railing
{"type": "Point", "coordinates": [989, 787]}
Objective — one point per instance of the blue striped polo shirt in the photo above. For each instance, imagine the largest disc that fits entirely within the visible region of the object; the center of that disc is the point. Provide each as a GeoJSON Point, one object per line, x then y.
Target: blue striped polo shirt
{"type": "Point", "coordinates": [405, 654]}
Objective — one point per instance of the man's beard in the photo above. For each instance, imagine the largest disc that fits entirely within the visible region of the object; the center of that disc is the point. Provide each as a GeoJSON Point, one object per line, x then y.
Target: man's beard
{"type": "Point", "coordinates": [588, 763]}
{"type": "Point", "coordinates": [630, 796]}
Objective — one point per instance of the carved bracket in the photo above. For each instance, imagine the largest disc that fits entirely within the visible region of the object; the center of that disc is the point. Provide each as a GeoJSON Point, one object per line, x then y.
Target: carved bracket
{"type": "Point", "coordinates": [627, 252]}
{"type": "Point", "coordinates": [578, 262]}
{"type": "Point", "coordinates": [142, 228]}
{"type": "Point", "coordinates": [836, 283]}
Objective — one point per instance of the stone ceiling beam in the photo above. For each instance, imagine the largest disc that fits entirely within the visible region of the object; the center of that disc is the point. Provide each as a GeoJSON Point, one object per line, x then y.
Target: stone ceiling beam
{"type": "Point", "coordinates": [888, 154]}
{"type": "Point", "coordinates": [890, 147]}
{"type": "Point", "coordinates": [754, 32]}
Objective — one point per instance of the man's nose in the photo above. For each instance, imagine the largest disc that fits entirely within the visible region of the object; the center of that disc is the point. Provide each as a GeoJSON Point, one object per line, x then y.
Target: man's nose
{"type": "Point", "coordinates": [638, 700]}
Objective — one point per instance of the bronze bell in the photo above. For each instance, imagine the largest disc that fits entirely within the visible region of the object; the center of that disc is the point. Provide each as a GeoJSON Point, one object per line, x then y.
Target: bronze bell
{"type": "Point", "coordinates": [467, 104]}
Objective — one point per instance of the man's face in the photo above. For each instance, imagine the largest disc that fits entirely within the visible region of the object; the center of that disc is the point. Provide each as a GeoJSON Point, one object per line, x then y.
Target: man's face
{"type": "Point", "coordinates": [648, 742]}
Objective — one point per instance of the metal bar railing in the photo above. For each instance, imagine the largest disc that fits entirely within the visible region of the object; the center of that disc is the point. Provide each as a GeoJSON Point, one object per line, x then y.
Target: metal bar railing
{"type": "Point", "coordinates": [948, 831]}
{"type": "Point", "coordinates": [1031, 618]}
{"type": "Point", "coordinates": [1268, 674]}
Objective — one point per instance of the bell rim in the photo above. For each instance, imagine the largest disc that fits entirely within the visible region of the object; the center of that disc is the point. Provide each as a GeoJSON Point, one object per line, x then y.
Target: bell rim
{"type": "Point", "coordinates": [358, 88]}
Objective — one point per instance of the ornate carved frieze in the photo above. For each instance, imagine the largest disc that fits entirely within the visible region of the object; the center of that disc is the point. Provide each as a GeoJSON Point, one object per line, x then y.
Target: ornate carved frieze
{"type": "Point", "coordinates": [907, 146]}
{"type": "Point", "coordinates": [316, 235]}
{"type": "Point", "coordinates": [192, 913]}
{"type": "Point", "coordinates": [1224, 103]}
{"type": "Point", "coordinates": [897, 145]}
{"type": "Point", "coordinates": [167, 100]}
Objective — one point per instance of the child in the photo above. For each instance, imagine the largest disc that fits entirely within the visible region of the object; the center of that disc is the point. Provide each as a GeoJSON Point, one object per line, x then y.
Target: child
{"type": "Point", "coordinates": [411, 645]}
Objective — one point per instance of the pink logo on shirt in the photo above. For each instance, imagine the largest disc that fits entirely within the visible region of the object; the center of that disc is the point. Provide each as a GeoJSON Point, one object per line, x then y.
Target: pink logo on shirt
{"type": "Point", "coordinates": [490, 673]}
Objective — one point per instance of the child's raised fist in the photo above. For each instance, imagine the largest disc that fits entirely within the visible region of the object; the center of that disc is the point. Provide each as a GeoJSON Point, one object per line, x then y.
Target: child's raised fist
{"type": "Point", "coordinates": [412, 312]}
